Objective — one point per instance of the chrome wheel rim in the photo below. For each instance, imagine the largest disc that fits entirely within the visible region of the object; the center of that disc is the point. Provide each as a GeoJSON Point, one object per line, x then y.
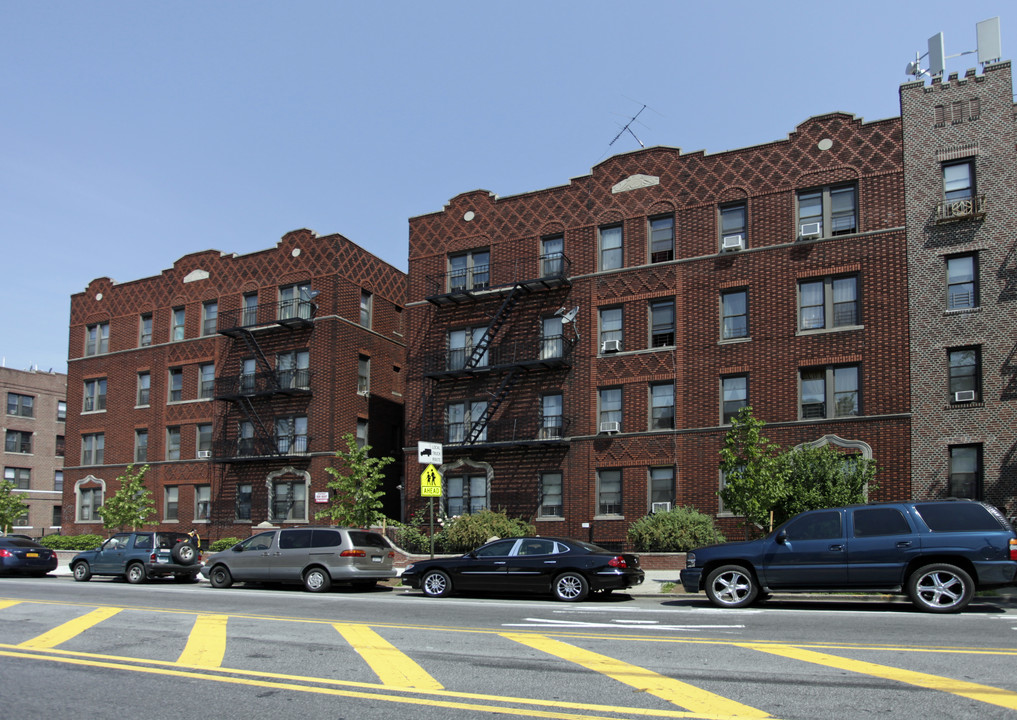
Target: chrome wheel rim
{"type": "Point", "coordinates": [732, 587]}
{"type": "Point", "coordinates": [570, 587]}
{"type": "Point", "coordinates": [940, 589]}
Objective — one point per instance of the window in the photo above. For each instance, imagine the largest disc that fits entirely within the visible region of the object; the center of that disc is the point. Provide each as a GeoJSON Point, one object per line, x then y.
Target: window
{"type": "Point", "coordinates": [206, 381]}
{"type": "Point", "coordinates": [551, 495]}
{"type": "Point", "coordinates": [291, 435]}
{"type": "Point", "coordinates": [816, 526]}
{"type": "Point", "coordinates": [876, 522]}
{"type": "Point", "coordinates": [461, 344]}
{"type": "Point", "coordinates": [93, 447]}
{"type": "Point", "coordinates": [58, 516]}
{"type": "Point", "coordinates": [551, 425]}
{"type": "Point", "coordinates": [462, 417]}
{"type": "Point", "coordinates": [173, 443]}
{"type": "Point", "coordinates": [61, 411]}
{"type": "Point", "coordinates": [662, 406]}
{"type": "Point", "coordinates": [552, 256]}
{"type": "Point", "coordinates": [965, 471]}
{"type": "Point", "coordinates": [363, 374]}
{"type": "Point", "coordinates": [959, 180]}
{"type": "Point", "coordinates": [60, 445]}
{"type": "Point", "coordinates": [202, 501]}
{"type": "Point", "coordinates": [830, 392]}
{"type": "Point", "coordinates": [289, 501]}
{"type": "Point", "coordinates": [465, 493]}
{"type": "Point", "coordinates": [249, 315]}
{"type": "Point", "coordinates": [827, 212]}
{"type": "Point", "coordinates": [609, 492]}
{"type": "Point", "coordinates": [144, 387]}
{"type": "Point", "coordinates": [177, 328]}
{"type": "Point", "coordinates": [734, 391]}
{"type": "Point", "coordinates": [961, 282]}
{"type": "Point", "coordinates": [733, 227]}
{"type": "Point", "coordinates": [734, 314]}
{"type": "Point", "coordinates": [20, 405]}
{"type": "Point", "coordinates": [89, 500]}
{"type": "Point", "coordinates": [366, 307]}
{"type": "Point", "coordinates": [611, 256]}
{"type": "Point", "coordinates": [826, 303]}
{"type": "Point", "coordinates": [661, 487]}
{"type": "Point", "coordinates": [171, 501]}
{"type": "Point", "coordinates": [469, 271]}
{"type": "Point", "coordinates": [610, 410]}
{"type": "Point", "coordinates": [58, 480]}
{"type": "Point", "coordinates": [293, 369]}
{"type": "Point", "coordinates": [552, 338]}
{"type": "Point", "coordinates": [21, 477]}
{"type": "Point", "coordinates": [295, 302]}
{"type": "Point", "coordinates": [97, 339]}
{"type": "Point", "coordinates": [145, 330]}
{"type": "Point", "coordinates": [141, 446]}
{"type": "Point", "coordinates": [18, 441]}
{"type": "Point", "coordinates": [662, 323]}
{"type": "Point", "coordinates": [175, 393]}
{"type": "Point", "coordinates": [361, 432]}
{"type": "Point", "coordinates": [243, 502]}
{"type": "Point", "coordinates": [965, 368]}
{"type": "Point", "coordinates": [661, 239]}
{"type": "Point", "coordinates": [610, 329]}
{"type": "Point", "coordinates": [209, 317]}
{"type": "Point", "coordinates": [203, 442]}
{"type": "Point", "coordinates": [245, 438]}
{"type": "Point", "coordinates": [95, 395]}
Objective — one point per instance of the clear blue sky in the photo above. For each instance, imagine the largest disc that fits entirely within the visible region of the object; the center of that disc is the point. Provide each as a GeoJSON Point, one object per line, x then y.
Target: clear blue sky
{"type": "Point", "coordinates": [132, 133]}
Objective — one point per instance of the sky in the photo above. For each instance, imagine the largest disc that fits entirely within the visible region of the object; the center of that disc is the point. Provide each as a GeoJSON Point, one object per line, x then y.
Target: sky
{"type": "Point", "coordinates": [133, 133]}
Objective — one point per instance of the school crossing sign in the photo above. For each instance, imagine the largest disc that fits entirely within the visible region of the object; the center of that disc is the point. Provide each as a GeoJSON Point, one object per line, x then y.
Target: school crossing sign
{"type": "Point", "coordinates": [430, 482]}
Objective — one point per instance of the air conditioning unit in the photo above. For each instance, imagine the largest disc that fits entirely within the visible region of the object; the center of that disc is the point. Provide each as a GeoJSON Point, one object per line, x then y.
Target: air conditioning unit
{"type": "Point", "coordinates": [610, 346]}
{"type": "Point", "coordinates": [660, 507]}
{"type": "Point", "coordinates": [549, 433]}
{"type": "Point", "coordinates": [204, 453]}
{"type": "Point", "coordinates": [964, 396]}
{"type": "Point", "coordinates": [610, 427]}
{"type": "Point", "coordinates": [811, 230]}
{"type": "Point", "coordinates": [733, 242]}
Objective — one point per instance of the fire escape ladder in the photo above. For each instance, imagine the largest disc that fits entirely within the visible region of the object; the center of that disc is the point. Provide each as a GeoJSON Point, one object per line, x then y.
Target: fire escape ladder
{"type": "Point", "coordinates": [495, 325]}
{"type": "Point", "coordinates": [254, 347]}
{"type": "Point", "coordinates": [249, 412]}
{"type": "Point", "coordinates": [477, 428]}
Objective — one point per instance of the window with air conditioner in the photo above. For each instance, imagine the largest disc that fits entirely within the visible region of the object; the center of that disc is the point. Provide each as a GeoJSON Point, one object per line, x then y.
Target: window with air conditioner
{"type": "Point", "coordinates": [662, 488]}
{"type": "Point", "coordinates": [827, 211]}
{"type": "Point", "coordinates": [659, 507]}
{"type": "Point", "coordinates": [610, 329]}
{"type": "Point", "coordinates": [965, 372]}
{"type": "Point", "coordinates": [610, 409]}
{"type": "Point", "coordinates": [733, 226]}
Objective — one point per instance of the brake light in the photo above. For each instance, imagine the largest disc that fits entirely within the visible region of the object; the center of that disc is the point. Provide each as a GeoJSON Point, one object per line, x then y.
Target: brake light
{"type": "Point", "coordinates": [4, 552]}
{"type": "Point", "coordinates": [353, 553]}
{"type": "Point", "coordinates": [617, 561]}
{"type": "Point", "coordinates": [152, 557]}
{"type": "Point", "coordinates": [1013, 548]}
{"type": "Point", "coordinates": [391, 553]}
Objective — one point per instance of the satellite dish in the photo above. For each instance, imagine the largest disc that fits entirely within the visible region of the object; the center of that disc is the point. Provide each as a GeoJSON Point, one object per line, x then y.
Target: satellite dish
{"type": "Point", "coordinates": [309, 294]}
{"type": "Point", "coordinates": [569, 316]}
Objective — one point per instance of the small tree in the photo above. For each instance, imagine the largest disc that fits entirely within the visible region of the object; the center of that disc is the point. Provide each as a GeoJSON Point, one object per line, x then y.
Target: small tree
{"type": "Point", "coordinates": [355, 500]}
{"type": "Point", "coordinates": [12, 505]}
{"type": "Point", "coordinates": [131, 505]}
{"type": "Point", "coordinates": [821, 477]}
{"type": "Point", "coordinates": [753, 478]}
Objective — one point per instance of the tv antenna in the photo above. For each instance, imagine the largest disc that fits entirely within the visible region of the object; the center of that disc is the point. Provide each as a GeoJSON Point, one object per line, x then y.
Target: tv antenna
{"type": "Point", "coordinates": [628, 127]}
{"type": "Point", "coordinates": [989, 50]}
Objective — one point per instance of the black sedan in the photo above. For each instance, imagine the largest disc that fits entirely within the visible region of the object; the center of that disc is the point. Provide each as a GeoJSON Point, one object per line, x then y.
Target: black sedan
{"type": "Point", "coordinates": [569, 569]}
{"type": "Point", "coordinates": [28, 557]}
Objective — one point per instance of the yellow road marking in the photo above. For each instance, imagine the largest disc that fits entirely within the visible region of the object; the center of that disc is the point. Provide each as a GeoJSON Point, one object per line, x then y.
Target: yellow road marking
{"type": "Point", "coordinates": [666, 688]}
{"type": "Point", "coordinates": [8, 603]}
{"type": "Point", "coordinates": [973, 691]}
{"type": "Point", "coordinates": [391, 665]}
{"type": "Point", "coordinates": [206, 645]}
{"type": "Point", "coordinates": [70, 629]}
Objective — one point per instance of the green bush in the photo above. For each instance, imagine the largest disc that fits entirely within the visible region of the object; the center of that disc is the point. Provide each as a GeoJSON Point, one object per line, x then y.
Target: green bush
{"type": "Point", "coordinates": [678, 530]}
{"type": "Point", "coordinates": [223, 544]}
{"type": "Point", "coordinates": [465, 532]}
{"type": "Point", "coordinates": [409, 538]}
{"type": "Point", "coordinates": [71, 542]}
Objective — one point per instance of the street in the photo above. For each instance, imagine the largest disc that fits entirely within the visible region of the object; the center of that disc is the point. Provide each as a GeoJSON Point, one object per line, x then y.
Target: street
{"type": "Point", "coordinates": [161, 650]}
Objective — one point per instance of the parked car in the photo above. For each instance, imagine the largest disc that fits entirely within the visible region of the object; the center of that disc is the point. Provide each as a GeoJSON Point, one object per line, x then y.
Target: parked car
{"type": "Point", "coordinates": [314, 556]}
{"type": "Point", "coordinates": [568, 569]}
{"type": "Point", "coordinates": [26, 556]}
{"type": "Point", "coordinates": [138, 556]}
{"type": "Point", "coordinates": [937, 552]}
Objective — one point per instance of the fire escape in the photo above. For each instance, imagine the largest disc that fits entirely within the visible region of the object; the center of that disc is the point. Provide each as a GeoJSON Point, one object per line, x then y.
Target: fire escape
{"type": "Point", "coordinates": [485, 364]}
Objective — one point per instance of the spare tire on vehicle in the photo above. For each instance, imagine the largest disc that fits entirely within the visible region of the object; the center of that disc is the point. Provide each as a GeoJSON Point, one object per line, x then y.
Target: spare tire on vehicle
{"type": "Point", "coordinates": [185, 552]}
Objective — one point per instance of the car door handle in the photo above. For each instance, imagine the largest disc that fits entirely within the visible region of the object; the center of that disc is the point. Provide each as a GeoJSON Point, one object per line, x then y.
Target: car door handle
{"type": "Point", "coordinates": [904, 544]}
{"type": "Point", "coordinates": [836, 548]}
{"type": "Point", "coordinates": [499, 562]}
{"type": "Point", "coordinates": [550, 562]}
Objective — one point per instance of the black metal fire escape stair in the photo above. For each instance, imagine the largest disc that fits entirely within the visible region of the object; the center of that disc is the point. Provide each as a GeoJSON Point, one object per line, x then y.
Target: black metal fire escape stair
{"type": "Point", "coordinates": [494, 326]}
{"type": "Point", "coordinates": [477, 428]}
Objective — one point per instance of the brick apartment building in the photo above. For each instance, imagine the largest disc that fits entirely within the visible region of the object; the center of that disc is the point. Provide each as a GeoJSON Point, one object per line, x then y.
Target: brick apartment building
{"type": "Point", "coordinates": [579, 350]}
{"type": "Point", "coordinates": [33, 451]}
{"type": "Point", "coordinates": [960, 164]}
{"type": "Point", "coordinates": [235, 378]}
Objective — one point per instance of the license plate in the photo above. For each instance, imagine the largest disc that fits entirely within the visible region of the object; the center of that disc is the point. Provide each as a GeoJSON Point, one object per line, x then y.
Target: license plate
{"type": "Point", "coordinates": [376, 558]}
{"type": "Point", "coordinates": [31, 554]}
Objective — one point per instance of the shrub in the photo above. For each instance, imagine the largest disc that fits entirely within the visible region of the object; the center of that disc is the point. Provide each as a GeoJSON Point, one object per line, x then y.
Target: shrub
{"type": "Point", "coordinates": [71, 542]}
{"type": "Point", "coordinates": [408, 538]}
{"type": "Point", "coordinates": [678, 530]}
{"type": "Point", "coordinates": [223, 544]}
{"type": "Point", "coordinates": [465, 532]}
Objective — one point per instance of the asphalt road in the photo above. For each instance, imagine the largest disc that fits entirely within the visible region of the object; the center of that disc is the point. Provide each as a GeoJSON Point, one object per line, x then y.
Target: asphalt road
{"type": "Point", "coordinates": [106, 649]}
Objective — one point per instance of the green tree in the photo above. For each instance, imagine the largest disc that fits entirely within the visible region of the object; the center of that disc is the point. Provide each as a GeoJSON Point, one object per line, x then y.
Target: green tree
{"type": "Point", "coordinates": [753, 480]}
{"type": "Point", "coordinates": [821, 477]}
{"type": "Point", "coordinates": [355, 497]}
{"type": "Point", "coordinates": [131, 505]}
{"type": "Point", "coordinates": [12, 505]}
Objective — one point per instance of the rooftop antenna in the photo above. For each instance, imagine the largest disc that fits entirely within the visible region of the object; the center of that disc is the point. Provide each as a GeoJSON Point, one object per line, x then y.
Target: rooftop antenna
{"type": "Point", "coordinates": [628, 127]}
{"type": "Point", "coordinates": [989, 50]}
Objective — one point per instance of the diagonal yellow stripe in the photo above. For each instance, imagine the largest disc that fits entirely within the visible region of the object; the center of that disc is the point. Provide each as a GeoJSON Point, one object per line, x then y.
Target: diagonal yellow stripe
{"type": "Point", "coordinates": [70, 629]}
{"type": "Point", "coordinates": [206, 645]}
{"type": "Point", "coordinates": [973, 691]}
{"type": "Point", "coordinates": [8, 603]}
{"type": "Point", "coordinates": [667, 688]}
{"type": "Point", "coordinates": [390, 664]}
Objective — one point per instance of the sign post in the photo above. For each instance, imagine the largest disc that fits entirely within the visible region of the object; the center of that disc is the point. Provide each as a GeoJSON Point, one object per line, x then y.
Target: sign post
{"type": "Point", "coordinates": [430, 487]}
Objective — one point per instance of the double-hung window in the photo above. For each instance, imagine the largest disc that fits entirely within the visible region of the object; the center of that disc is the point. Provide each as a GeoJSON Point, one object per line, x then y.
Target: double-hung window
{"type": "Point", "coordinates": [961, 282]}
{"type": "Point", "coordinates": [734, 392]}
{"type": "Point", "coordinates": [461, 346]}
{"type": "Point", "coordinates": [827, 212]}
{"type": "Point", "coordinates": [203, 442]}
{"type": "Point", "coordinates": [965, 472]}
{"type": "Point", "coordinates": [662, 323]}
{"type": "Point", "coordinates": [173, 443]}
{"type": "Point", "coordinates": [958, 180]}
{"type": "Point", "coordinates": [609, 492]}
{"type": "Point", "coordinates": [610, 329]}
{"type": "Point", "coordinates": [611, 255]}
{"type": "Point", "coordinates": [20, 405]}
{"type": "Point", "coordinates": [965, 369]}
{"type": "Point", "coordinates": [295, 301]}
{"type": "Point", "coordinates": [145, 330]}
{"type": "Point", "coordinates": [733, 227]}
{"type": "Point", "coordinates": [469, 271]}
{"type": "Point", "coordinates": [734, 314]}
{"type": "Point", "coordinates": [93, 447]}
{"type": "Point", "coordinates": [209, 317]}
{"type": "Point", "coordinates": [661, 239]}
{"type": "Point", "coordinates": [828, 392]}
{"type": "Point", "coordinates": [289, 501]}
{"type": "Point", "coordinates": [177, 328]}
{"type": "Point", "coordinates": [172, 501]}
{"type": "Point", "coordinates": [552, 338]}
{"type": "Point", "coordinates": [291, 435]}
{"type": "Point", "coordinates": [144, 388]}
{"type": "Point", "coordinates": [292, 369]}
{"type": "Point", "coordinates": [460, 419]}
{"type": "Point", "coordinates": [175, 392]}
{"type": "Point", "coordinates": [140, 446]}
{"type": "Point", "coordinates": [662, 492]}
{"type": "Point", "coordinates": [551, 495]}
{"type": "Point", "coordinates": [202, 501]}
{"type": "Point", "coordinates": [206, 381]}
{"type": "Point", "coordinates": [465, 493]}
{"type": "Point", "coordinates": [662, 406]}
{"type": "Point", "coordinates": [19, 441]}
{"type": "Point", "coordinates": [363, 374]}
{"type": "Point", "coordinates": [20, 477]}
{"type": "Point", "coordinates": [97, 339]}
{"type": "Point", "coordinates": [610, 409]}
{"type": "Point", "coordinates": [249, 313]}
{"type": "Point", "coordinates": [552, 256]}
{"type": "Point", "coordinates": [551, 420]}
{"type": "Point", "coordinates": [94, 395]}
{"type": "Point", "coordinates": [242, 502]}
{"type": "Point", "coordinates": [827, 303]}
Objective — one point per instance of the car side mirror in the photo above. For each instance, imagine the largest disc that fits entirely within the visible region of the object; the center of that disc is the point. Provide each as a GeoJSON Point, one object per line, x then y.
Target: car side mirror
{"type": "Point", "coordinates": [782, 537]}
{"type": "Point", "coordinates": [237, 548]}
{"type": "Point", "coordinates": [472, 554]}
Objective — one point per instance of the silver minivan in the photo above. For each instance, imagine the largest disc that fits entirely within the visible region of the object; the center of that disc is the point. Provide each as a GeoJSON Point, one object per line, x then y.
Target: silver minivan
{"type": "Point", "coordinates": [314, 556]}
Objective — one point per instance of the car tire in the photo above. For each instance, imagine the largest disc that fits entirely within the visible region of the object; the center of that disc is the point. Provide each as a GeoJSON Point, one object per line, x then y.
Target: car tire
{"type": "Point", "coordinates": [731, 586]}
{"type": "Point", "coordinates": [940, 588]}
{"type": "Point", "coordinates": [220, 577]}
{"type": "Point", "coordinates": [184, 553]}
{"type": "Point", "coordinates": [135, 573]}
{"type": "Point", "coordinates": [317, 580]}
{"type": "Point", "coordinates": [436, 584]}
{"type": "Point", "coordinates": [571, 587]}
{"type": "Point", "coordinates": [81, 571]}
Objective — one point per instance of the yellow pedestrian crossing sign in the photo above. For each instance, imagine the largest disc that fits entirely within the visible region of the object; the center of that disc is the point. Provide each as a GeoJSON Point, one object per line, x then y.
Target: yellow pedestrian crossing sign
{"type": "Point", "coordinates": [430, 482]}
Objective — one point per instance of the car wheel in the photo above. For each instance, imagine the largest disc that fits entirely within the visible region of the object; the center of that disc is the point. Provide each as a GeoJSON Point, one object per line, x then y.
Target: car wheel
{"type": "Point", "coordinates": [436, 584]}
{"type": "Point", "coordinates": [184, 553]}
{"type": "Point", "coordinates": [940, 588]}
{"type": "Point", "coordinates": [81, 571]}
{"type": "Point", "coordinates": [571, 587]}
{"type": "Point", "coordinates": [317, 580]}
{"type": "Point", "coordinates": [731, 586]}
{"type": "Point", "coordinates": [220, 577]}
{"type": "Point", "coordinates": [135, 573]}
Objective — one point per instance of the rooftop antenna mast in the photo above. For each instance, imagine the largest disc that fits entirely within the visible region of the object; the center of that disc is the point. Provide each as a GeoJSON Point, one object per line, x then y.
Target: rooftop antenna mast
{"type": "Point", "coordinates": [628, 127]}
{"type": "Point", "coordinates": [989, 50]}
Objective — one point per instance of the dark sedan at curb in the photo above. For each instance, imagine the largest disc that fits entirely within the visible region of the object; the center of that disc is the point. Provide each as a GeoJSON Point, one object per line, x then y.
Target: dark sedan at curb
{"type": "Point", "coordinates": [568, 569]}
{"type": "Point", "coordinates": [26, 557]}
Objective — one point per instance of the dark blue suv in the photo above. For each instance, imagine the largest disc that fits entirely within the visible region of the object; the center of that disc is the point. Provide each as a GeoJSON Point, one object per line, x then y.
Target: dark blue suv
{"type": "Point", "coordinates": [938, 552]}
